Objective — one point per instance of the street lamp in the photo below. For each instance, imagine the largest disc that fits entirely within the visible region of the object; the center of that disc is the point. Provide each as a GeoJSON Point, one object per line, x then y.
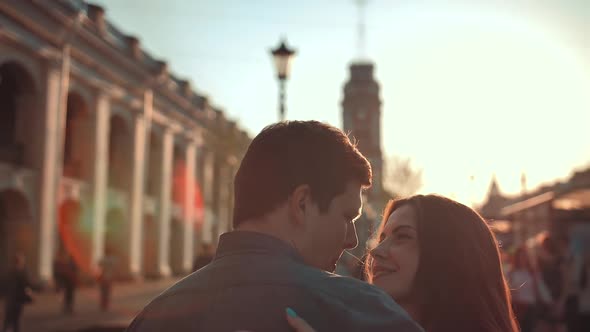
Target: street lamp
{"type": "Point", "coordinates": [282, 56]}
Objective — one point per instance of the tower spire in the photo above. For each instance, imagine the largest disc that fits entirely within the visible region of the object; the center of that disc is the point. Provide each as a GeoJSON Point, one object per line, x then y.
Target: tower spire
{"type": "Point", "coordinates": [523, 183]}
{"type": "Point", "coordinates": [494, 189]}
{"type": "Point", "coordinates": [361, 33]}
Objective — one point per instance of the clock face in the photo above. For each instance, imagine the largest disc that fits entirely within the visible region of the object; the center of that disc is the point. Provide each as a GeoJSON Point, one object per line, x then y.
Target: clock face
{"type": "Point", "coordinates": [361, 113]}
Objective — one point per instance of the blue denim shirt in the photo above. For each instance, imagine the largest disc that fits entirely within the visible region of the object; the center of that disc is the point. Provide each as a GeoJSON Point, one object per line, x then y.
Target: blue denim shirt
{"type": "Point", "coordinates": [253, 279]}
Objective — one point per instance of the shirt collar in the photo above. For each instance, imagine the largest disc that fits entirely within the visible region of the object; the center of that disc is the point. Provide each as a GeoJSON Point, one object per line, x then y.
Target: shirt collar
{"type": "Point", "coordinates": [239, 242]}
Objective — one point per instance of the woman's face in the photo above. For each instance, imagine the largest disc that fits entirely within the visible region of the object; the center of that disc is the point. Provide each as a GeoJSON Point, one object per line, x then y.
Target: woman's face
{"type": "Point", "coordinates": [395, 259]}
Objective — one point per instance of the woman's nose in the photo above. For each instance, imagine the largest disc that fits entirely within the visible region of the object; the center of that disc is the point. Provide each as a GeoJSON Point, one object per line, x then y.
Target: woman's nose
{"type": "Point", "coordinates": [378, 251]}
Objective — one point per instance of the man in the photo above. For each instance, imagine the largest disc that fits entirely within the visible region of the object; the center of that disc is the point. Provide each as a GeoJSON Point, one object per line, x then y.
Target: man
{"type": "Point", "coordinates": [18, 286]}
{"type": "Point", "coordinates": [297, 195]}
{"type": "Point", "coordinates": [66, 276]}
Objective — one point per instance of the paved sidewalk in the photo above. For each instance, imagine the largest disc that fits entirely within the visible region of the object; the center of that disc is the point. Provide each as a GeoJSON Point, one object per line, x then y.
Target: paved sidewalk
{"type": "Point", "coordinates": [46, 315]}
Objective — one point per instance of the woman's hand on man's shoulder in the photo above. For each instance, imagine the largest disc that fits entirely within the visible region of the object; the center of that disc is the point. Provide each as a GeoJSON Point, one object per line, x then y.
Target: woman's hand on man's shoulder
{"type": "Point", "coordinates": [296, 322]}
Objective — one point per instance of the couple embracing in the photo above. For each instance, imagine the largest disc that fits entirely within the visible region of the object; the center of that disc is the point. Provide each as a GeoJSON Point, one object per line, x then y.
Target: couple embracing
{"type": "Point", "coordinates": [436, 265]}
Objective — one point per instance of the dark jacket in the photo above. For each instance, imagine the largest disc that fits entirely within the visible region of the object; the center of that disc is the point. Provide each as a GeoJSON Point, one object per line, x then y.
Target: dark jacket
{"type": "Point", "coordinates": [18, 286]}
{"type": "Point", "coordinates": [253, 279]}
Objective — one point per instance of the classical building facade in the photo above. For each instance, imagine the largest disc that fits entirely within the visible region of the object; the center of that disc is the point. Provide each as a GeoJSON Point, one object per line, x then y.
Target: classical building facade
{"type": "Point", "coordinates": [102, 149]}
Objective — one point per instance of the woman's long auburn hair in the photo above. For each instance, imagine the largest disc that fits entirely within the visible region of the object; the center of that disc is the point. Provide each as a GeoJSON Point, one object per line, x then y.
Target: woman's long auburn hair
{"type": "Point", "coordinates": [459, 284]}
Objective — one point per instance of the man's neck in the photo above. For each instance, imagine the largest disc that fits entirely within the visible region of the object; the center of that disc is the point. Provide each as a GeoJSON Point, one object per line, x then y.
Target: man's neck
{"type": "Point", "coordinates": [266, 227]}
{"type": "Point", "coordinates": [248, 227]}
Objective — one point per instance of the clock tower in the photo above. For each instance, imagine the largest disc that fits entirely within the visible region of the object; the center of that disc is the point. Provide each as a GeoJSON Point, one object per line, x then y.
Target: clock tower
{"type": "Point", "coordinates": [361, 117]}
{"type": "Point", "coordinates": [361, 121]}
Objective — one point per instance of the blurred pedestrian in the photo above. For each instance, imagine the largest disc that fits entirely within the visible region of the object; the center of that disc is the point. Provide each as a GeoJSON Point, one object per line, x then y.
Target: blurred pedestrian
{"type": "Point", "coordinates": [584, 295]}
{"type": "Point", "coordinates": [18, 294]}
{"type": "Point", "coordinates": [66, 273]}
{"type": "Point", "coordinates": [574, 260]}
{"type": "Point", "coordinates": [524, 283]}
{"type": "Point", "coordinates": [554, 273]}
{"type": "Point", "coordinates": [105, 278]}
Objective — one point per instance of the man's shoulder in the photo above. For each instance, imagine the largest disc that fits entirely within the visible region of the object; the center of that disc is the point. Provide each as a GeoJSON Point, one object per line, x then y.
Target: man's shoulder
{"type": "Point", "coordinates": [169, 310]}
{"type": "Point", "coordinates": [288, 275]}
{"type": "Point", "coordinates": [344, 287]}
{"type": "Point", "coordinates": [321, 297]}
{"type": "Point", "coordinates": [347, 289]}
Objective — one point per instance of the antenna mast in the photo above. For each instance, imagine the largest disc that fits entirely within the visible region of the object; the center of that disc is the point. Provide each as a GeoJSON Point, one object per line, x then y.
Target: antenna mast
{"type": "Point", "coordinates": [361, 42]}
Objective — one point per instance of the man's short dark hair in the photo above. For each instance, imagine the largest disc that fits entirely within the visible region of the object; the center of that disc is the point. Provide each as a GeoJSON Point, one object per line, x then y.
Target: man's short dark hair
{"type": "Point", "coordinates": [287, 154]}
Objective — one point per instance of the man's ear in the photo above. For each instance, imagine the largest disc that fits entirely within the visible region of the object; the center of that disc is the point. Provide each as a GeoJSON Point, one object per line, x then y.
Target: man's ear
{"type": "Point", "coordinates": [299, 203]}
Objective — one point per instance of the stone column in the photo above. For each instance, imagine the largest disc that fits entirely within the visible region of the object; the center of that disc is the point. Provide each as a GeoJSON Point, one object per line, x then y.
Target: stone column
{"type": "Point", "coordinates": [140, 132]}
{"type": "Point", "coordinates": [231, 173]}
{"type": "Point", "coordinates": [164, 213]}
{"type": "Point", "coordinates": [223, 192]}
{"type": "Point", "coordinates": [198, 229]}
{"type": "Point", "coordinates": [102, 113]}
{"type": "Point", "coordinates": [50, 174]}
{"type": "Point", "coordinates": [189, 205]}
{"type": "Point", "coordinates": [207, 187]}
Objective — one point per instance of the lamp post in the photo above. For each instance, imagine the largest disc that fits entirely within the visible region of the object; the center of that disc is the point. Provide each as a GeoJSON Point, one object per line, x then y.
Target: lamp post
{"type": "Point", "coordinates": [282, 56]}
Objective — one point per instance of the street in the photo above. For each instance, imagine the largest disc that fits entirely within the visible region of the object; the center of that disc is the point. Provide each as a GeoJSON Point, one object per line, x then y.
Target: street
{"type": "Point", "coordinates": [46, 315]}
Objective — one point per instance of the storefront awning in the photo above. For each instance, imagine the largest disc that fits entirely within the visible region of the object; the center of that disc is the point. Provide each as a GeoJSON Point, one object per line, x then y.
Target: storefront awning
{"type": "Point", "coordinates": [527, 204]}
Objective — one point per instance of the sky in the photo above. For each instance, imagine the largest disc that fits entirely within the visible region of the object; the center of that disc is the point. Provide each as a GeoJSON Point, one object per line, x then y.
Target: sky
{"type": "Point", "coordinates": [470, 89]}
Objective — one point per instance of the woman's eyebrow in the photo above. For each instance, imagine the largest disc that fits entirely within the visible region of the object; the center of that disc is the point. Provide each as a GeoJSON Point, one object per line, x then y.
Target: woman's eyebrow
{"type": "Point", "coordinates": [400, 227]}
{"type": "Point", "coordinates": [395, 230]}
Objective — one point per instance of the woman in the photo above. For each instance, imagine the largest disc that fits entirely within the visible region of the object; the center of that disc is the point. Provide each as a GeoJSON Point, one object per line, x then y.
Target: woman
{"type": "Point", "coordinates": [440, 261]}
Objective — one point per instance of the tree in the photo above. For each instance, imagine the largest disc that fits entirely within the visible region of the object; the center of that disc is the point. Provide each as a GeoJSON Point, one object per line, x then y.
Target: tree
{"type": "Point", "coordinates": [401, 177]}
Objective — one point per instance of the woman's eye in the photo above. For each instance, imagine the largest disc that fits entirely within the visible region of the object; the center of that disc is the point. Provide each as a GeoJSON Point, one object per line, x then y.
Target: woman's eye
{"type": "Point", "coordinates": [403, 236]}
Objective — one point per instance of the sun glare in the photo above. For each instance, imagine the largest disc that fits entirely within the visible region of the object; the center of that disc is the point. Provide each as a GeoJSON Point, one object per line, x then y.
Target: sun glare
{"type": "Point", "coordinates": [488, 94]}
